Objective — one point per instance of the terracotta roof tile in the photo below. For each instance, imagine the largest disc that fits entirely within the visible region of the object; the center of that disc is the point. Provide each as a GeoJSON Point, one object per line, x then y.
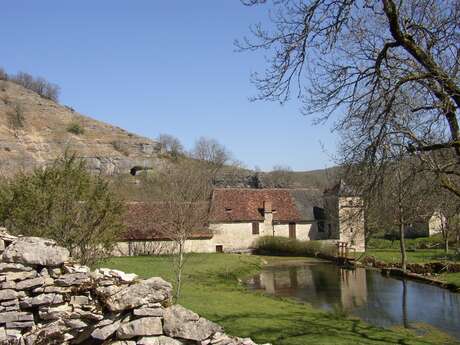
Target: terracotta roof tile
{"type": "Point", "coordinates": [240, 204]}
{"type": "Point", "coordinates": [142, 222]}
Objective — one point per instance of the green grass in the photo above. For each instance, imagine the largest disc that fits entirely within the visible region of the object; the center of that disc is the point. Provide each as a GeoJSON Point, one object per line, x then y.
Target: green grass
{"type": "Point", "coordinates": [211, 289]}
{"type": "Point", "coordinates": [420, 256]}
{"type": "Point", "coordinates": [417, 256]}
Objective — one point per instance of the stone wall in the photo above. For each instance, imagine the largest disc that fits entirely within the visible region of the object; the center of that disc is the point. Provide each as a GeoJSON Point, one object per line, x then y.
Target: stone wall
{"type": "Point", "coordinates": [46, 298]}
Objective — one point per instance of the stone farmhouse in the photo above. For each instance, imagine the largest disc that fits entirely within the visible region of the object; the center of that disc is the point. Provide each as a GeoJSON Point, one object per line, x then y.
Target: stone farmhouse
{"type": "Point", "coordinates": [237, 217]}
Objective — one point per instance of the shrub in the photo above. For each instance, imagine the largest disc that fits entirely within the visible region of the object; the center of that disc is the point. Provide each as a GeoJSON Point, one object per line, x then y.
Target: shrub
{"type": "Point", "coordinates": [66, 203]}
{"type": "Point", "coordinates": [276, 245]}
{"type": "Point", "coordinates": [39, 85]}
{"type": "Point", "coordinates": [75, 128]}
{"type": "Point", "coordinates": [16, 117]}
{"type": "Point", "coordinates": [120, 147]}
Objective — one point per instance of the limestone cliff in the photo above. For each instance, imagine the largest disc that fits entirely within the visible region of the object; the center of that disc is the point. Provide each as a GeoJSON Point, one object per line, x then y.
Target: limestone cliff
{"type": "Point", "coordinates": [35, 130]}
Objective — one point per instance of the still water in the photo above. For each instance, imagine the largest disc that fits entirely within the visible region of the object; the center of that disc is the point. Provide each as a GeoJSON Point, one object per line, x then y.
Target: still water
{"type": "Point", "coordinates": [379, 300]}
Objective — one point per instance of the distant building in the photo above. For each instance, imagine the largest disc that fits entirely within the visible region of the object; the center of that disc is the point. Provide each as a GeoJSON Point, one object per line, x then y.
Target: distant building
{"type": "Point", "coordinates": [237, 217]}
{"type": "Point", "coordinates": [426, 226]}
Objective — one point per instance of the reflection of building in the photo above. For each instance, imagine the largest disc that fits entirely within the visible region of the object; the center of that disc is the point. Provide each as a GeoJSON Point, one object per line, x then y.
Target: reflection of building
{"type": "Point", "coordinates": [321, 285]}
{"type": "Point", "coordinates": [353, 286]}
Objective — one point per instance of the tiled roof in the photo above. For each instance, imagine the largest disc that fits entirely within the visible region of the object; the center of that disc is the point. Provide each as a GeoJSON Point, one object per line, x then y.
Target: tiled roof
{"type": "Point", "coordinates": [244, 204]}
{"type": "Point", "coordinates": [143, 222]}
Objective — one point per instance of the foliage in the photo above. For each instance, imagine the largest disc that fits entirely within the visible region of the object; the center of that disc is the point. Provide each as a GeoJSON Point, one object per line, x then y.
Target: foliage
{"type": "Point", "coordinates": [213, 292]}
{"type": "Point", "coordinates": [277, 245]}
{"type": "Point", "coordinates": [63, 202]}
{"type": "Point", "coordinates": [75, 128]}
{"type": "Point", "coordinates": [37, 84]}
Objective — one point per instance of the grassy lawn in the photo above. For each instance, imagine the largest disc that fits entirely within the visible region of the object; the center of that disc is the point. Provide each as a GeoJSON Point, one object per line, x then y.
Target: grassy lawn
{"type": "Point", "coordinates": [211, 289]}
{"type": "Point", "coordinates": [417, 256]}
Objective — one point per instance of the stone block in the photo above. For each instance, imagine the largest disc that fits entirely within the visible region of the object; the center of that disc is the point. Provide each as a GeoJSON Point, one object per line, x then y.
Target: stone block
{"type": "Point", "coordinates": [140, 327]}
{"type": "Point", "coordinates": [8, 294]}
{"type": "Point", "coordinates": [35, 251]}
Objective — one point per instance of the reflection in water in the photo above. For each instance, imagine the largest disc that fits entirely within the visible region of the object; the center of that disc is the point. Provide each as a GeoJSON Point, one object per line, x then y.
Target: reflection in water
{"type": "Point", "coordinates": [374, 298]}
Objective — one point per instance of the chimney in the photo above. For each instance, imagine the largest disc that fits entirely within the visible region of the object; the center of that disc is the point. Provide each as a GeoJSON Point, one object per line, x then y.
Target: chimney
{"type": "Point", "coordinates": [267, 207]}
{"type": "Point", "coordinates": [268, 219]}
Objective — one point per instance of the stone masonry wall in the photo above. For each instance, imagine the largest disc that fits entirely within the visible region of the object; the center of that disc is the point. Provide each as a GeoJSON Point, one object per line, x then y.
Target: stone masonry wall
{"type": "Point", "coordinates": [46, 298]}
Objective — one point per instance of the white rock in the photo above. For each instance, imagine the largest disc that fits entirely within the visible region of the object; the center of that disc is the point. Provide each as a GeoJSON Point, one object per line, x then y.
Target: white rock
{"type": "Point", "coordinates": [140, 327]}
{"type": "Point", "coordinates": [35, 251]}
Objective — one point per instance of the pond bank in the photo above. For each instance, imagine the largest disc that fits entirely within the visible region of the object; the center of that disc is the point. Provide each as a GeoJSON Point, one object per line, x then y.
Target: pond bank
{"type": "Point", "coordinates": [367, 294]}
{"type": "Point", "coordinates": [214, 278]}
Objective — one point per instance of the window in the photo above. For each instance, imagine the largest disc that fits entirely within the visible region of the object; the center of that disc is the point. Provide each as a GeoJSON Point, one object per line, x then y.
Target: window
{"type": "Point", "coordinates": [255, 228]}
{"type": "Point", "coordinates": [320, 226]}
{"type": "Point", "coordinates": [219, 249]}
{"type": "Point", "coordinates": [292, 233]}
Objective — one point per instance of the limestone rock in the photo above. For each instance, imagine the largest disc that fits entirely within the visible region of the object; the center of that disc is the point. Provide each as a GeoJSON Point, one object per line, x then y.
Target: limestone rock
{"type": "Point", "coordinates": [147, 291]}
{"type": "Point", "coordinates": [15, 316]}
{"type": "Point", "coordinates": [8, 294]}
{"type": "Point", "coordinates": [19, 324]}
{"type": "Point", "coordinates": [183, 323]}
{"type": "Point", "coordinates": [71, 279]}
{"type": "Point", "coordinates": [13, 267]}
{"type": "Point", "coordinates": [140, 327]}
{"type": "Point", "coordinates": [16, 276]}
{"type": "Point", "coordinates": [43, 299]}
{"type": "Point", "coordinates": [161, 340]}
{"type": "Point", "coordinates": [30, 283]}
{"type": "Point", "coordinates": [106, 331]}
{"type": "Point", "coordinates": [146, 311]}
{"type": "Point", "coordinates": [35, 251]}
{"type": "Point", "coordinates": [54, 313]}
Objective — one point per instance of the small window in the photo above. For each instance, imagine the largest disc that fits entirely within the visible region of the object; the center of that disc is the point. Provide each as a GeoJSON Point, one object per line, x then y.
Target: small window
{"type": "Point", "coordinates": [255, 228]}
{"type": "Point", "coordinates": [351, 230]}
{"type": "Point", "coordinates": [320, 226]}
{"type": "Point", "coordinates": [228, 209]}
{"type": "Point", "coordinates": [292, 232]}
{"type": "Point", "coordinates": [219, 249]}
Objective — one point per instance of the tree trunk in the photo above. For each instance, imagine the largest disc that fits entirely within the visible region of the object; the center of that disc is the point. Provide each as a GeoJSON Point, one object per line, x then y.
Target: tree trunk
{"type": "Point", "coordinates": [402, 246]}
{"type": "Point", "coordinates": [179, 271]}
{"type": "Point", "coordinates": [457, 242]}
{"type": "Point", "coordinates": [446, 244]}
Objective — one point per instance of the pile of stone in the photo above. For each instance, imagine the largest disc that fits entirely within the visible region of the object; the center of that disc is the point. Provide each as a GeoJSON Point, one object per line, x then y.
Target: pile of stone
{"type": "Point", "coordinates": [46, 298]}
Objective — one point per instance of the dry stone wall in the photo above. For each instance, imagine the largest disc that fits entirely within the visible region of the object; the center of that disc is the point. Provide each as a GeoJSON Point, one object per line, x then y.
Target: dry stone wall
{"type": "Point", "coordinates": [46, 298]}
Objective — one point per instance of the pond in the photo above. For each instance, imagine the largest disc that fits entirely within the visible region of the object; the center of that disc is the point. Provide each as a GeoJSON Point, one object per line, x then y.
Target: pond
{"type": "Point", "coordinates": [367, 294]}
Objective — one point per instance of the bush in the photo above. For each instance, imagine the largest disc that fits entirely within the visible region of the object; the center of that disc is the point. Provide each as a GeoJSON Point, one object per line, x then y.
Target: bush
{"type": "Point", "coordinates": [75, 128]}
{"type": "Point", "coordinates": [16, 117]}
{"type": "Point", "coordinates": [39, 85]}
{"type": "Point", "coordinates": [66, 203]}
{"type": "Point", "coordinates": [276, 245]}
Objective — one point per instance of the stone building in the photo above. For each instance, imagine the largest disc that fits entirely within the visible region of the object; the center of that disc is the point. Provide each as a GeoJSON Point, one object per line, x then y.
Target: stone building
{"type": "Point", "coordinates": [345, 216]}
{"type": "Point", "coordinates": [237, 217]}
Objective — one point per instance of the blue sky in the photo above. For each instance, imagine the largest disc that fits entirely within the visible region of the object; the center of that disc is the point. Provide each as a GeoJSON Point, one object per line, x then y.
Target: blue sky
{"type": "Point", "coordinates": [155, 67]}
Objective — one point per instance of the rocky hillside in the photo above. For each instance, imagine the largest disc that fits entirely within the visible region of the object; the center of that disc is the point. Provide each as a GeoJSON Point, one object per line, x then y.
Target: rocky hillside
{"type": "Point", "coordinates": [35, 130]}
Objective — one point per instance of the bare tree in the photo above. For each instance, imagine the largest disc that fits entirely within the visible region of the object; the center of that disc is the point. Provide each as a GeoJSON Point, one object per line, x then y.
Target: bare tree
{"type": "Point", "coordinates": [184, 189]}
{"type": "Point", "coordinates": [39, 85]}
{"type": "Point", "coordinates": [210, 151]}
{"type": "Point", "coordinates": [378, 67]}
{"type": "Point", "coordinates": [170, 144]}
{"type": "Point", "coordinates": [3, 74]}
{"type": "Point", "coordinates": [280, 177]}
